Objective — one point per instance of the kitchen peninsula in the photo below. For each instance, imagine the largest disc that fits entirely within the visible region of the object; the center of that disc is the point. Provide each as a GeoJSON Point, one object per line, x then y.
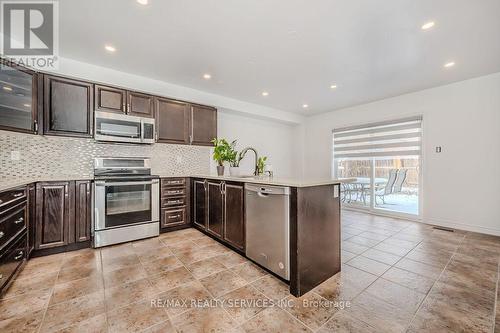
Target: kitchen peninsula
{"type": "Point", "coordinates": [222, 209]}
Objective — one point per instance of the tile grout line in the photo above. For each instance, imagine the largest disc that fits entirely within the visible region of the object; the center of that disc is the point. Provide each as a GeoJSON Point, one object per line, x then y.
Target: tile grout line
{"type": "Point", "coordinates": [433, 285]}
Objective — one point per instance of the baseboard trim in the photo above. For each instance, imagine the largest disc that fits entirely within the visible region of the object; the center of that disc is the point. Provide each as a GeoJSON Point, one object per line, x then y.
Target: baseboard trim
{"type": "Point", "coordinates": [462, 226]}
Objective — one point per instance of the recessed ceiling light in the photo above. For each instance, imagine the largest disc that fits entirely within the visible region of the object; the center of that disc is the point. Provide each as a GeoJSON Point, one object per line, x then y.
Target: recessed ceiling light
{"type": "Point", "coordinates": [110, 48]}
{"type": "Point", "coordinates": [142, 2]}
{"type": "Point", "coordinates": [449, 64]}
{"type": "Point", "coordinates": [333, 86]}
{"type": "Point", "coordinates": [7, 88]}
{"type": "Point", "coordinates": [428, 25]}
{"type": "Point", "coordinates": [265, 93]}
{"type": "Point", "coordinates": [305, 106]}
{"type": "Point", "coordinates": [207, 76]}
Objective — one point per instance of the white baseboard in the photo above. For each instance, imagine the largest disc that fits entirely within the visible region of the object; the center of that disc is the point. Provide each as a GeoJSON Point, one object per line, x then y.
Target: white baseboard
{"type": "Point", "coordinates": [462, 226]}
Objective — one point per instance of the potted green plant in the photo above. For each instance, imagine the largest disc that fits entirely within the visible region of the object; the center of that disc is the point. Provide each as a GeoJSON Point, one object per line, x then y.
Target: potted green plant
{"type": "Point", "coordinates": [220, 154]}
{"type": "Point", "coordinates": [261, 163]}
{"type": "Point", "coordinates": [234, 159]}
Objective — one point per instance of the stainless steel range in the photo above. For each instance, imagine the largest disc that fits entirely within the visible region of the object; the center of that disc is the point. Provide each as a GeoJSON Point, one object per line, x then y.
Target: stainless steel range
{"type": "Point", "coordinates": [126, 202]}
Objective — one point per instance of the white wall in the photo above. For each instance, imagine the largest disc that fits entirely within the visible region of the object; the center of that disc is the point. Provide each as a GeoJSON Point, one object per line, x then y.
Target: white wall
{"type": "Point", "coordinates": [461, 185]}
{"type": "Point", "coordinates": [273, 139]}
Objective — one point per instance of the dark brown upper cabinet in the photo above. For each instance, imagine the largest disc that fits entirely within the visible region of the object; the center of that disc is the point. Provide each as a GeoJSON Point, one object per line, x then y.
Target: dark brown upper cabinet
{"type": "Point", "coordinates": [68, 107]}
{"type": "Point", "coordinates": [53, 214]}
{"type": "Point", "coordinates": [18, 98]}
{"type": "Point", "coordinates": [141, 105]}
{"type": "Point", "coordinates": [203, 125]}
{"type": "Point", "coordinates": [172, 121]}
{"type": "Point", "coordinates": [110, 99]}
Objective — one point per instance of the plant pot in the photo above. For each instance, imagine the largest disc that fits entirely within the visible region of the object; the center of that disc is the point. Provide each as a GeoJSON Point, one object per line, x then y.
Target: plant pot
{"type": "Point", "coordinates": [220, 170]}
{"type": "Point", "coordinates": [234, 171]}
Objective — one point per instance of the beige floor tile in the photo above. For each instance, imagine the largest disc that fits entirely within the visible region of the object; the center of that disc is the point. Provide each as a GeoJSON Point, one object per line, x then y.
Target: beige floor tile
{"type": "Point", "coordinates": [389, 248]}
{"type": "Point", "coordinates": [368, 265]}
{"type": "Point", "coordinates": [163, 327]}
{"type": "Point", "coordinates": [115, 251]}
{"type": "Point", "coordinates": [244, 303]}
{"type": "Point", "coordinates": [381, 256]}
{"type": "Point", "coordinates": [408, 279]}
{"type": "Point", "coordinates": [345, 256]}
{"type": "Point", "coordinates": [274, 320]}
{"type": "Point", "coordinates": [73, 312]}
{"type": "Point", "coordinates": [135, 317]}
{"type": "Point", "coordinates": [115, 263]}
{"type": "Point", "coordinates": [30, 284]}
{"type": "Point", "coordinates": [231, 259]}
{"type": "Point", "coordinates": [193, 255]}
{"type": "Point", "coordinates": [428, 271]}
{"type": "Point", "coordinates": [76, 288]}
{"type": "Point", "coordinates": [125, 294]}
{"type": "Point", "coordinates": [395, 294]}
{"type": "Point", "coordinates": [182, 298]}
{"type": "Point", "coordinates": [342, 322]}
{"type": "Point", "coordinates": [76, 273]}
{"type": "Point", "coordinates": [272, 287]}
{"type": "Point", "coordinates": [152, 255]}
{"type": "Point", "coordinates": [345, 285]}
{"type": "Point", "coordinates": [379, 314]}
{"type": "Point", "coordinates": [206, 267]}
{"type": "Point", "coordinates": [124, 275]}
{"type": "Point", "coordinates": [183, 246]}
{"type": "Point", "coordinates": [223, 282]}
{"type": "Point", "coordinates": [171, 279]}
{"type": "Point", "coordinates": [310, 309]}
{"type": "Point", "coordinates": [249, 271]}
{"type": "Point", "coordinates": [353, 247]}
{"type": "Point", "coordinates": [161, 265]}
{"type": "Point", "coordinates": [88, 259]}
{"type": "Point", "coordinates": [25, 303]}
{"type": "Point", "coordinates": [26, 323]}
{"type": "Point", "coordinates": [210, 319]}
{"type": "Point", "coordinates": [364, 241]}
{"type": "Point", "coordinates": [97, 324]}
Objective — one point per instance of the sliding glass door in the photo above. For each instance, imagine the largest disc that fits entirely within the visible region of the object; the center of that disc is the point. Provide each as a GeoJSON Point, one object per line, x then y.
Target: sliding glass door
{"type": "Point", "coordinates": [383, 160]}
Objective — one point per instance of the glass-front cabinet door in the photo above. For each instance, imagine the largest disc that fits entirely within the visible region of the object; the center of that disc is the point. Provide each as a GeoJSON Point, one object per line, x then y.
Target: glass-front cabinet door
{"type": "Point", "coordinates": [18, 99]}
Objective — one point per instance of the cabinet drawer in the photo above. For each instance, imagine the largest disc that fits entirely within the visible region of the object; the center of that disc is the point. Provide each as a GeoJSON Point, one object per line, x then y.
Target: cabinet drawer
{"type": "Point", "coordinates": [173, 182]}
{"type": "Point", "coordinates": [173, 192]}
{"type": "Point", "coordinates": [10, 197]}
{"type": "Point", "coordinates": [173, 217]}
{"type": "Point", "coordinates": [173, 202]}
{"type": "Point", "coordinates": [12, 259]}
{"type": "Point", "coordinates": [12, 223]}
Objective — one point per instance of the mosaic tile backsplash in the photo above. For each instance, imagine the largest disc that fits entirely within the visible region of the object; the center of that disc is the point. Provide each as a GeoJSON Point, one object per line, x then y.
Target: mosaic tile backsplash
{"type": "Point", "coordinates": [35, 157]}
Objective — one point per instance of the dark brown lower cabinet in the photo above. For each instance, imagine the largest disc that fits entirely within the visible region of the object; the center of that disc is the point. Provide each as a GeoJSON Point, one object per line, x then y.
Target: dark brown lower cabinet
{"type": "Point", "coordinates": [83, 208]}
{"type": "Point", "coordinates": [218, 209]}
{"type": "Point", "coordinates": [234, 219]}
{"type": "Point", "coordinates": [174, 204]}
{"type": "Point", "coordinates": [31, 193]}
{"type": "Point", "coordinates": [63, 214]}
{"type": "Point", "coordinates": [215, 208]}
{"type": "Point", "coordinates": [52, 214]}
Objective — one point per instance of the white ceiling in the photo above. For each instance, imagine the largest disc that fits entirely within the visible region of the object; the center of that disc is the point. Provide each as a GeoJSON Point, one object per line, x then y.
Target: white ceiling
{"type": "Point", "coordinates": [293, 49]}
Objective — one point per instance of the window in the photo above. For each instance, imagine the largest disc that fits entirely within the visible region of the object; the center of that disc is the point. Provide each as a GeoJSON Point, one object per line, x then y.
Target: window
{"type": "Point", "coordinates": [384, 159]}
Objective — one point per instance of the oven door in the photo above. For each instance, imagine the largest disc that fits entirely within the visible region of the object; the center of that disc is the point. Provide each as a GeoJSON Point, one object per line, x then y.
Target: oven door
{"type": "Point", "coordinates": [124, 203]}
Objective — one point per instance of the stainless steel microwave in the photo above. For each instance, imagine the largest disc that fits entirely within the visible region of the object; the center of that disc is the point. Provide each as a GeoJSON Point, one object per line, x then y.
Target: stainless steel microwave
{"type": "Point", "coordinates": [115, 127]}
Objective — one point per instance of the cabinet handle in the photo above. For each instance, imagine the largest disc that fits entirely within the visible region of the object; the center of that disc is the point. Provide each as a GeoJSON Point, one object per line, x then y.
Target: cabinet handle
{"type": "Point", "coordinates": [2, 234]}
{"type": "Point", "coordinates": [124, 107]}
{"type": "Point", "coordinates": [128, 107]}
{"type": "Point", "coordinates": [172, 182]}
{"type": "Point", "coordinates": [1, 276]}
{"type": "Point", "coordinates": [35, 126]}
{"type": "Point", "coordinates": [1, 202]}
{"type": "Point", "coordinates": [174, 192]}
{"type": "Point", "coordinates": [174, 202]}
{"type": "Point", "coordinates": [17, 195]}
{"type": "Point", "coordinates": [174, 216]}
{"type": "Point", "coordinates": [19, 256]}
{"type": "Point", "coordinates": [19, 220]}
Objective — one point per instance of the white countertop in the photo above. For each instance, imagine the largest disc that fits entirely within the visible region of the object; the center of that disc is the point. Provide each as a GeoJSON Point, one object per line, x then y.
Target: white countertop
{"type": "Point", "coordinates": [266, 180]}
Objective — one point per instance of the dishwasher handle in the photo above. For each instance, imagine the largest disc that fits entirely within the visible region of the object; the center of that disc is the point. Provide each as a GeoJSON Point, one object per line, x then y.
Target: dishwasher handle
{"type": "Point", "coordinates": [265, 190]}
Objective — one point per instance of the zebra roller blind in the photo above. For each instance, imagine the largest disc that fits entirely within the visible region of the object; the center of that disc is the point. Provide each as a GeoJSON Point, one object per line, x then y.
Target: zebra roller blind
{"type": "Point", "coordinates": [401, 137]}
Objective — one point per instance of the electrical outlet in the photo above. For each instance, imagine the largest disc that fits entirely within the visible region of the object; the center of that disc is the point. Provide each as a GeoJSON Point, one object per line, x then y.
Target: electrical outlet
{"type": "Point", "coordinates": [15, 155]}
{"type": "Point", "coordinates": [438, 149]}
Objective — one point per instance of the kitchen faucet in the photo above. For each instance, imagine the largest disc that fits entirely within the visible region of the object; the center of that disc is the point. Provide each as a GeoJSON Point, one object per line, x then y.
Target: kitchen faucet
{"type": "Point", "coordinates": [244, 152]}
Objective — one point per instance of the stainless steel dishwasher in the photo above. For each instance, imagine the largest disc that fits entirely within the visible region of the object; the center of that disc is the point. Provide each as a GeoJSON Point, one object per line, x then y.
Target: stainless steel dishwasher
{"type": "Point", "coordinates": [267, 227]}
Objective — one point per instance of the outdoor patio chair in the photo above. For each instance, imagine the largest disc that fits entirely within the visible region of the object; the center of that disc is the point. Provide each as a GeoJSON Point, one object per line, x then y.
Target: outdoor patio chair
{"type": "Point", "coordinates": [387, 189]}
{"type": "Point", "coordinates": [400, 179]}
